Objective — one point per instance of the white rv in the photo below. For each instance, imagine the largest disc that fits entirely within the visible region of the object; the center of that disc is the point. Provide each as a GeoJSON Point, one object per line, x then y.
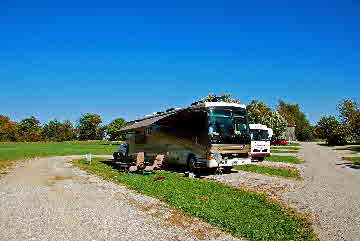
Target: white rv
{"type": "Point", "coordinates": [260, 141]}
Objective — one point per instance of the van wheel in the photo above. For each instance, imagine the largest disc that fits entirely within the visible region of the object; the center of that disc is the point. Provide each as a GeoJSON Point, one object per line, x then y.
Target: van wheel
{"type": "Point", "coordinates": [191, 164]}
{"type": "Point", "coordinates": [260, 159]}
{"type": "Point", "coordinates": [227, 170]}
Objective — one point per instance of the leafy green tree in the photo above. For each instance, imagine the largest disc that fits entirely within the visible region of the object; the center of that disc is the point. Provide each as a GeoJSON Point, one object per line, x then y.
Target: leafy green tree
{"type": "Point", "coordinates": [101, 132]}
{"type": "Point", "coordinates": [293, 115]}
{"type": "Point", "coordinates": [69, 130]}
{"type": "Point", "coordinates": [57, 131]}
{"type": "Point", "coordinates": [256, 111]}
{"type": "Point", "coordinates": [223, 98]}
{"type": "Point", "coordinates": [114, 127]}
{"type": "Point", "coordinates": [8, 129]}
{"type": "Point", "coordinates": [29, 129]}
{"type": "Point", "coordinates": [276, 122]}
{"type": "Point", "coordinates": [332, 130]}
{"type": "Point", "coordinates": [89, 127]}
{"type": "Point", "coordinates": [350, 116]}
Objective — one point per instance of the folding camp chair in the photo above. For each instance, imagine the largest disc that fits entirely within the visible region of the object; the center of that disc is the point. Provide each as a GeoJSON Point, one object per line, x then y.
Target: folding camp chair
{"type": "Point", "coordinates": [140, 159]}
{"type": "Point", "coordinates": [157, 163]}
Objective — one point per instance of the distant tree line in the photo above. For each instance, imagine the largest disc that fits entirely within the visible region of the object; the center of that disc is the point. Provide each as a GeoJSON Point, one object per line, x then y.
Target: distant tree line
{"type": "Point", "coordinates": [88, 127]}
{"type": "Point", "coordinates": [335, 130]}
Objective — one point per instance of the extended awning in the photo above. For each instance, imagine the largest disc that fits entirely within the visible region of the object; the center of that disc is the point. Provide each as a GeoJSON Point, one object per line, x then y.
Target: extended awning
{"type": "Point", "coordinates": [143, 123]}
{"type": "Point", "coordinates": [137, 124]}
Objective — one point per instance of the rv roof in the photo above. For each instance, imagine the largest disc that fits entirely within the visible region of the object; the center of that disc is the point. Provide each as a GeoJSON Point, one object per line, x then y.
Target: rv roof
{"type": "Point", "coordinates": [151, 119]}
{"type": "Point", "coordinates": [207, 104]}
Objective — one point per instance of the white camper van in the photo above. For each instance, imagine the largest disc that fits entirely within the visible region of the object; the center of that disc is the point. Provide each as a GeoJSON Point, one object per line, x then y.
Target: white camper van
{"type": "Point", "coordinates": [260, 141]}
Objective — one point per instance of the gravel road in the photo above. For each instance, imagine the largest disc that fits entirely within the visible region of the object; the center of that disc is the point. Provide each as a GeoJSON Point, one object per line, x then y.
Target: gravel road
{"type": "Point", "coordinates": [48, 199]}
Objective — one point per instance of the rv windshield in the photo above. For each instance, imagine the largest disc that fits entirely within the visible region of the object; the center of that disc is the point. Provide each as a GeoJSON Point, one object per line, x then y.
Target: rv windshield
{"type": "Point", "coordinates": [259, 135]}
{"type": "Point", "coordinates": [228, 125]}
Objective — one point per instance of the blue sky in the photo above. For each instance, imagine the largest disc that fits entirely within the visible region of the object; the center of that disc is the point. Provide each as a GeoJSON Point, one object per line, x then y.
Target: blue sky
{"type": "Point", "coordinates": [59, 59]}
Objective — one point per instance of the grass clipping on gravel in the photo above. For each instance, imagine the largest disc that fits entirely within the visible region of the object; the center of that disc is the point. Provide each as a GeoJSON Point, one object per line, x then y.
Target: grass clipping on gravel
{"type": "Point", "coordinates": [242, 213]}
{"type": "Point", "coordinates": [288, 172]}
{"type": "Point", "coordinates": [355, 160]}
{"type": "Point", "coordinates": [285, 159]}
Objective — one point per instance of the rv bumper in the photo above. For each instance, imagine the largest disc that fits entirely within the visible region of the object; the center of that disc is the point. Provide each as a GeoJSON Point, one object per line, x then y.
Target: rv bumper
{"type": "Point", "coordinates": [212, 163]}
{"type": "Point", "coordinates": [254, 155]}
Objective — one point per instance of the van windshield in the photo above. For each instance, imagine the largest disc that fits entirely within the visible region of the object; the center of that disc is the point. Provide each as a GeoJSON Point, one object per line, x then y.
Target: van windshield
{"type": "Point", "coordinates": [228, 125]}
{"type": "Point", "coordinates": [259, 135]}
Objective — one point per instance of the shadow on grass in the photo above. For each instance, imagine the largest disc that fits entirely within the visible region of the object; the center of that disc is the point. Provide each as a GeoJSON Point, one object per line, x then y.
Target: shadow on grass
{"type": "Point", "coordinates": [349, 165]}
{"type": "Point", "coordinates": [110, 162]}
{"type": "Point", "coordinates": [342, 148]}
{"type": "Point", "coordinates": [323, 144]}
{"type": "Point", "coordinates": [350, 148]}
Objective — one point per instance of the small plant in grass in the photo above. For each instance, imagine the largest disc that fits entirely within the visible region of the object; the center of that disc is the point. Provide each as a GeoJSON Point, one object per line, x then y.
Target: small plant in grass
{"type": "Point", "coordinates": [288, 172]}
{"type": "Point", "coordinates": [355, 160]}
{"type": "Point", "coordinates": [286, 159]}
{"type": "Point", "coordinates": [243, 213]}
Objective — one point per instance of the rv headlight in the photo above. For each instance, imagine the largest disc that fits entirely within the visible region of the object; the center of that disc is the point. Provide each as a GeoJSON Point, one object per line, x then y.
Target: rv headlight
{"type": "Point", "coordinates": [215, 156]}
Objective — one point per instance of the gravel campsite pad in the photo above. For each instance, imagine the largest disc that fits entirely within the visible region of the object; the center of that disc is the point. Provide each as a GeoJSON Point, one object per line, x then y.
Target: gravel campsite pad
{"type": "Point", "coordinates": [48, 199]}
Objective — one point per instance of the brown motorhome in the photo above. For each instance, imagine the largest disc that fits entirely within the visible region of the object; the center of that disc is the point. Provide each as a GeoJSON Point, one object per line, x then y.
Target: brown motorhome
{"type": "Point", "coordinates": [204, 135]}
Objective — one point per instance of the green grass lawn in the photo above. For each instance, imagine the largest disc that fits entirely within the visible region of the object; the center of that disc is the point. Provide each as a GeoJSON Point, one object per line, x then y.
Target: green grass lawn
{"type": "Point", "coordinates": [285, 147]}
{"type": "Point", "coordinates": [286, 159]}
{"type": "Point", "coordinates": [293, 144]}
{"type": "Point", "coordinates": [282, 151]}
{"type": "Point", "coordinates": [318, 140]}
{"type": "Point", "coordinates": [355, 160]}
{"type": "Point", "coordinates": [242, 213]}
{"type": "Point", "coordinates": [11, 151]}
{"type": "Point", "coordinates": [349, 148]}
{"type": "Point", "coordinates": [288, 172]}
